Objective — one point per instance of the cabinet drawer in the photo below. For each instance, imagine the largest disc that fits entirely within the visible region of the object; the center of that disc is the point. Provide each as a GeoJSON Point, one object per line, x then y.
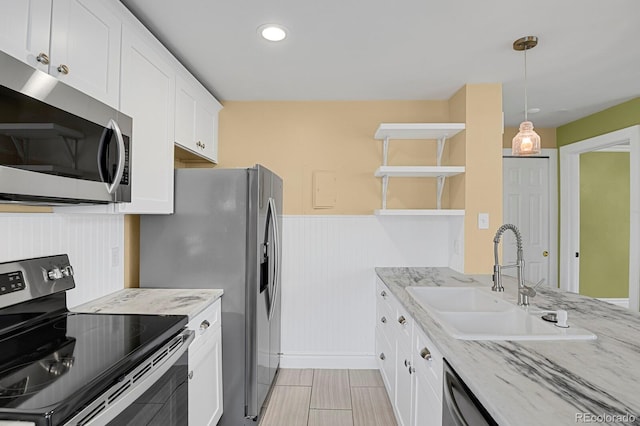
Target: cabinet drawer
{"type": "Point", "coordinates": [428, 360]}
{"type": "Point", "coordinates": [207, 320]}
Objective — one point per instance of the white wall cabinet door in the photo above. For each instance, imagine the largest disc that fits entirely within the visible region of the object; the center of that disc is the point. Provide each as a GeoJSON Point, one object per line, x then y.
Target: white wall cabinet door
{"type": "Point", "coordinates": [148, 91]}
{"type": "Point", "coordinates": [76, 41]}
{"type": "Point", "coordinates": [24, 30]}
{"type": "Point", "coordinates": [205, 380]}
{"type": "Point", "coordinates": [85, 38]}
{"type": "Point", "coordinates": [196, 118]}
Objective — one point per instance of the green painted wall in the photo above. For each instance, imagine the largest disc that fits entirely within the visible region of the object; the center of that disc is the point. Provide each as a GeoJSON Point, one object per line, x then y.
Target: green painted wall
{"type": "Point", "coordinates": [617, 117]}
{"type": "Point", "coordinates": [604, 224]}
{"type": "Point", "coordinates": [614, 118]}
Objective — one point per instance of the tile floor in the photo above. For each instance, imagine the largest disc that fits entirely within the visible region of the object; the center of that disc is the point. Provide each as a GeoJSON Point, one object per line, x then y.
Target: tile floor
{"type": "Point", "coordinates": [328, 398]}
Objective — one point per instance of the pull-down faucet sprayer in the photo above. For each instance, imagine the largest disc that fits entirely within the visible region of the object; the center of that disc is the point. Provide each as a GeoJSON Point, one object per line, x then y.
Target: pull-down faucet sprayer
{"type": "Point", "coordinates": [523, 291]}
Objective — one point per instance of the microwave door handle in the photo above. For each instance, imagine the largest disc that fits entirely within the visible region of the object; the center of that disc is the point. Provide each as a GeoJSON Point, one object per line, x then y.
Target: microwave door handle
{"type": "Point", "coordinates": [101, 159]}
{"type": "Point", "coordinates": [111, 188]}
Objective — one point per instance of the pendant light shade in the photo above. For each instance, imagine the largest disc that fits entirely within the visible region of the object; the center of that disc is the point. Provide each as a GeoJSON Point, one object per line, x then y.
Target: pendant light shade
{"type": "Point", "coordinates": [527, 141]}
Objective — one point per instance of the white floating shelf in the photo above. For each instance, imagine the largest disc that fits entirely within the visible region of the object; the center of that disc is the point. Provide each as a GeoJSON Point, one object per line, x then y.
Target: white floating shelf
{"type": "Point", "coordinates": [418, 130]}
{"type": "Point", "coordinates": [419, 212]}
{"type": "Point", "coordinates": [419, 171]}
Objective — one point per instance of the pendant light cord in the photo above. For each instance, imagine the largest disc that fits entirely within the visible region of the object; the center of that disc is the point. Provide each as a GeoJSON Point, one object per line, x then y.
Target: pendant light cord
{"type": "Point", "coordinates": [525, 85]}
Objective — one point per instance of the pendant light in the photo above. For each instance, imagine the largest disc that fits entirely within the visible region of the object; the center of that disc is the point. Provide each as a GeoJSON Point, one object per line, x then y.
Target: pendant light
{"type": "Point", "coordinates": [526, 142]}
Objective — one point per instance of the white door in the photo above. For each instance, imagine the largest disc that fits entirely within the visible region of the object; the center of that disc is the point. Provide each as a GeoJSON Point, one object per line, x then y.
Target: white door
{"type": "Point", "coordinates": [526, 205]}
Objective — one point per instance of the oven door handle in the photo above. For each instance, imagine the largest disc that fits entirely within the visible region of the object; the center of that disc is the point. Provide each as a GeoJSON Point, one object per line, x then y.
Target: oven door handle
{"type": "Point", "coordinates": [125, 392]}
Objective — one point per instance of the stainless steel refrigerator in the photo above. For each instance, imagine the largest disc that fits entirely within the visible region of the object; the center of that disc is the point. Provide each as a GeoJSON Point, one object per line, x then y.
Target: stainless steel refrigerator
{"type": "Point", "coordinates": [225, 233]}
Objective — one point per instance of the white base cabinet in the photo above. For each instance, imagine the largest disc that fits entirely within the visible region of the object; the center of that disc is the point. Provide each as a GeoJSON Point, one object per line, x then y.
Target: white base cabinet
{"type": "Point", "coordinates": [205, 368]}
{"type": "Point", "coordinates": [410, 365]}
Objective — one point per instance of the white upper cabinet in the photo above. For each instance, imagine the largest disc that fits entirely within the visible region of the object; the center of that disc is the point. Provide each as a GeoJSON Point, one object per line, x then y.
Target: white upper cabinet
{"type": "Point", "coordinates": [76, 41]}
{"type": "Point", "coordinates": [85, 48]}
{"type": "Point", "coordinates": [196, 118]}
{"type": "Point", "coordinates": [25, 27]}
{"type": "Point", "coordinates": [148, 92]}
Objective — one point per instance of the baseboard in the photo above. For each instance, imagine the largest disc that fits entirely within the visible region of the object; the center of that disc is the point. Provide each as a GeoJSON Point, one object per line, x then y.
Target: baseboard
{"type": "Point", "coordinates": [624, 302]}
{"type": "Point", "coordinates": [329, 361]}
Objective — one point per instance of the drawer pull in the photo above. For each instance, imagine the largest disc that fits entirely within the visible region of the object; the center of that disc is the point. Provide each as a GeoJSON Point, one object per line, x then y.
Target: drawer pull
{"type": "Point", "coordinates": [383, 320]}
{"type": "Point", "coordinates": [407, 363]}
{"type": "Point", "coordinates": [382, 356]}
{"type": "Point", "coordinates": [425, 354]}
{"type": "Point", "coordinates": [383, 294]}
{"type": "Point", "coordinates": [204, 325]}
{"type": "Point", "coordinates": [402, 320]}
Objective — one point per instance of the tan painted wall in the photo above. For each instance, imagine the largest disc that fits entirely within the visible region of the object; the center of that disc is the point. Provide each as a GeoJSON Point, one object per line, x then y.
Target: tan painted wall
{"type": "Point", "coordinates": [294, 139]}
{"type": "Point", "coordinates": [547, 136]}
{"type": "Point", "coordinates": [480, 106]}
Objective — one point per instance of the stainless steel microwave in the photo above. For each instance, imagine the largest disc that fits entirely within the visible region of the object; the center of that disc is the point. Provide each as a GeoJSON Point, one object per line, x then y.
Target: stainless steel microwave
{"type": "Point", "coordinates": [57, 144]}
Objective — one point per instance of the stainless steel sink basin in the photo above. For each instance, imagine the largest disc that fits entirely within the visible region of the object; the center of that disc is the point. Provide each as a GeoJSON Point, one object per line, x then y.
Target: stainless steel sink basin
{"type": "Point", "coordinates": [472, 313]}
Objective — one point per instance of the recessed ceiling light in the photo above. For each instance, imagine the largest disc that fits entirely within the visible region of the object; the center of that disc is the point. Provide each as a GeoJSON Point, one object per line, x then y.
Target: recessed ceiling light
{"type": "Point", "coordinates": [272, 32]}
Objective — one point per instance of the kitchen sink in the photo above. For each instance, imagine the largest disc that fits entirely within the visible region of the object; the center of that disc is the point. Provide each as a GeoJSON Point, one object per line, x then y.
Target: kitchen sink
{"type": "Point", "coordinates": [472, 313]}
{"type": "Point", "coordinates": [459, 299]}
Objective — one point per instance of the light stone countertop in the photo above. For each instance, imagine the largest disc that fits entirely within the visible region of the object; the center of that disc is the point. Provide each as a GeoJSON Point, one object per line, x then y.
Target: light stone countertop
{"type": "Point", "coordinates": [538, 382]}
{"type": "Point", "coordinates": [156, 301]}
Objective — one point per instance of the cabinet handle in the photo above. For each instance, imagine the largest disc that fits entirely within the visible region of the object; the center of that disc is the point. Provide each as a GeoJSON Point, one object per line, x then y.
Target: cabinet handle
{"type": "Point", "coordinates": [383, 320]}
{"type": "Point", "coordinates": [382, 356]}
{"type": "Point", "coordinates": [407, 363]}
{"type": "Point", "coordinates": [425, 354]}
{"type": "Point", "coordinates": [43, 58]}
{"type": "Point", "coordinates": [383, 294]}
{"type": "Point", "coordinates": [63, 69]}
{"type": "Point", "coordinates": [412, 370]}
{"type": "Point", "coordinates": [190, 374]}
{"type": "Point", "coordinates": [204, 325]}
{"type": "Point", "coordinates": [402, 320]}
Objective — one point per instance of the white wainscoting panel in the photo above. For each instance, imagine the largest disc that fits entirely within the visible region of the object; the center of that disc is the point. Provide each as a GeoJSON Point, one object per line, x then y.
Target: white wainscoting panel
{"type": "Point", "coordinates": [328, 280]}
{"type": "Point", "coordinates": [94, 243]}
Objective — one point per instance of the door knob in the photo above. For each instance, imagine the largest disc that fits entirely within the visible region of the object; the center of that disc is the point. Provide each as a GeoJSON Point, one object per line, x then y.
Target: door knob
{"type": "Point", "coordinates": [545, 254]}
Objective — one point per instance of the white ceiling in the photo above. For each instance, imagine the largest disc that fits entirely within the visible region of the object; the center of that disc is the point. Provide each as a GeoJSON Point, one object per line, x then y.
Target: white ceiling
{"type": "Point", "coordinates": [587, 58]}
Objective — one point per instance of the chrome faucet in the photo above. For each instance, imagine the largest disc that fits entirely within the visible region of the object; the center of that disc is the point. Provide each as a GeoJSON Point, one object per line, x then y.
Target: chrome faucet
{"type": "Point", "coordinates": [524, 292]}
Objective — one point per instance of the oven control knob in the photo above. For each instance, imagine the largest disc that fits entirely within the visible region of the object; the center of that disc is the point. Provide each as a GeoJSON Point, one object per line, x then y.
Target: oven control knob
{"type": "Point", "coordinates": [55, 273]}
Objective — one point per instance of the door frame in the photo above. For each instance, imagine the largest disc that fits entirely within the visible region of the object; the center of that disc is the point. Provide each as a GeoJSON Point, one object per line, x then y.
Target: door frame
{"type": "Point", "coordinates": [552, 155]}
{"type": "Point", "coordinates": [570, 207]}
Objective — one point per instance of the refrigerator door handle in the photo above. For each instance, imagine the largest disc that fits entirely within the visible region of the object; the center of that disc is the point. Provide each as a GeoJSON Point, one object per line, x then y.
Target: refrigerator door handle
{"type": "Point", "coordinates": [273, 291]}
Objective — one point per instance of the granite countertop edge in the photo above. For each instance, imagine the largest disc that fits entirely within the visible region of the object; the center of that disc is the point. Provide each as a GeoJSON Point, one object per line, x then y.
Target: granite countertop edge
{"type": "Point", "coordinates": [533, 382]}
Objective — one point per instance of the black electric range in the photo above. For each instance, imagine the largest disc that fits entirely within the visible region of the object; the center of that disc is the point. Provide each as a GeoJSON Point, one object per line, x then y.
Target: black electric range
{"type": "Point", "coordinates": [63, 368]}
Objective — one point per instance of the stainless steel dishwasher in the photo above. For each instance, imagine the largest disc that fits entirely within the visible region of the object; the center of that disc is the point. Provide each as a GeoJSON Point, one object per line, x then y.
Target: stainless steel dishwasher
{"type": "Point", "coordinates": [460, 407]}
